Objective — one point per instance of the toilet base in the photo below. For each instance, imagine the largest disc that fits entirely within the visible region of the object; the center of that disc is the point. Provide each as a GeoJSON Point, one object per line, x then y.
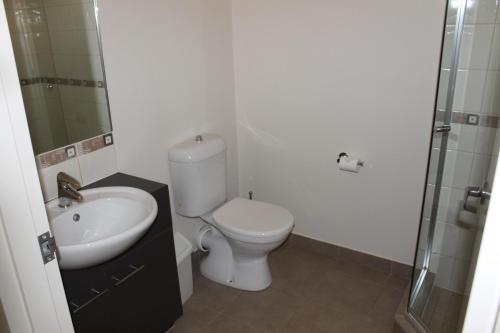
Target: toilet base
{"type": "Point", "coordinates": [234, 263]}
{"type": "Point", "coordinates": [249, 276]}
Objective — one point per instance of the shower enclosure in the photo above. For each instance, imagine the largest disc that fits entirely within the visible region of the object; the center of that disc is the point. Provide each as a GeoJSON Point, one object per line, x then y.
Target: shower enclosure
{"type": "Point", "coordinates": [462, 160]}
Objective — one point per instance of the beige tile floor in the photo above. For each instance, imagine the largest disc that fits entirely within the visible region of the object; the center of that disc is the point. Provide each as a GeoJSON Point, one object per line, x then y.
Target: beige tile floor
{"type": "Point", "coordinates": [310, 293]}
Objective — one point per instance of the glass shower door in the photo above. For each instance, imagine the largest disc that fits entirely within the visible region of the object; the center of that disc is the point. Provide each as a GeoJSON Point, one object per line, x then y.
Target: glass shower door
{"type": "Point", "coordinates": [462, 162]}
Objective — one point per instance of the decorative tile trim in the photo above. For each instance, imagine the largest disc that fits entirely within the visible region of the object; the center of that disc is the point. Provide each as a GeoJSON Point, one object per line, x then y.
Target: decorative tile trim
{"type": "Point", "coordinates": [91, 145]}
{"type": "Point", "coordinates": [56, 156]}
{"type": "Point", "coordinates": [62, 154]}
{"type": "Point", "coordinates": [108, 139]}
{"type": "Point", "coordinates": [464, 119]}
{"type": "Point", "coordinates": [489, 121]}
{"type": "Point", "coordinates": [63, 81]}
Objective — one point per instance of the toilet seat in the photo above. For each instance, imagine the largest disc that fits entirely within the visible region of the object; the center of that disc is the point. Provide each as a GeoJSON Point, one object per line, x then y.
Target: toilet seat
{"type": "Point", "coordinates": [253, 221]}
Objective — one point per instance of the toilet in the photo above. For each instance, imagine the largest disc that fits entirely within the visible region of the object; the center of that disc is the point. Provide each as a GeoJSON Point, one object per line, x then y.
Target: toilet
{"type": "Point", "coordinates": [239, 233]}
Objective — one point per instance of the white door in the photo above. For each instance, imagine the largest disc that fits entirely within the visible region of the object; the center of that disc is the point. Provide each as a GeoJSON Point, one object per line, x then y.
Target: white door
{"type": "Point", "coordinates": [32, 293]}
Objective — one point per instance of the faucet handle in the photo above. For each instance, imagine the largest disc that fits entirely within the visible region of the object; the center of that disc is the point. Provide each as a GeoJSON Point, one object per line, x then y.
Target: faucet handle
{"type": "Point", "coordinates": [63, 177]}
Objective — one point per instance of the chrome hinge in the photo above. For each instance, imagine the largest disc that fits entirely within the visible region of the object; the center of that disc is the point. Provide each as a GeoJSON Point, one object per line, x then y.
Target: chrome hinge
{"type": "Point", "coordinates": [47, 247]}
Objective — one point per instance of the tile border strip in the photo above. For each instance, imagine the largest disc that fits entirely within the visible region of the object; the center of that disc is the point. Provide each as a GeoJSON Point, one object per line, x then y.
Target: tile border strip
{"type": "Point", "coordinates": [483, 120]}
{"type": "Point", "coordinates": [81, 148]}
{"type": "Point", "coordinates": [54, 157]}
{"type": "Point", "coordinates": [90, 145]}
{"type": "Point", "coordinates": [62, 81]}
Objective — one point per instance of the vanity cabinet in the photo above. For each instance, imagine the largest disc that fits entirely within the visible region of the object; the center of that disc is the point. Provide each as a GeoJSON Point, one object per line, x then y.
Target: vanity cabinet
{"type": "Point", "coordinates": [137, 291]}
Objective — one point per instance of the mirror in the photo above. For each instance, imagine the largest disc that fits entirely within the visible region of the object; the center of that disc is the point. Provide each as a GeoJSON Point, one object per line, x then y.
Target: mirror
{"type": "Point", "coordinates": [59, 61]}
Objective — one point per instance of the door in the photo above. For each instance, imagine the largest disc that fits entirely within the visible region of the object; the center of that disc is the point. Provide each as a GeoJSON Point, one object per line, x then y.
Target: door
{"type": "Point", "coordinates": [23, 214]}
{"type": "Point", "coordinates": [462, 164]}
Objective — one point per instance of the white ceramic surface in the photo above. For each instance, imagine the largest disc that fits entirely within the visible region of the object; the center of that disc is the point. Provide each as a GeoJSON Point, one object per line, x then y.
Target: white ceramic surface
{"type": "Point", "coordinates": [111, 219]}
{"type": "Point", "coordinates": [198, 174]}
{"type": "Point", "coordinates": [253, 221]}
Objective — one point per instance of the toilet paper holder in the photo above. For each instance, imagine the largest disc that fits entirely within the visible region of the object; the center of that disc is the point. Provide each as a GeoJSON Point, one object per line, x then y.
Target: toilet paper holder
{"type": "Point", "coordinates": [475, 192]}
{"type": "Point", "coordinates": [342, 154]}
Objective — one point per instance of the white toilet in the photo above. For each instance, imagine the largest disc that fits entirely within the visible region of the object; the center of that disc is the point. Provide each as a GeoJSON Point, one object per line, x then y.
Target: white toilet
{"type": "Point", "coordinates": [240, 232]}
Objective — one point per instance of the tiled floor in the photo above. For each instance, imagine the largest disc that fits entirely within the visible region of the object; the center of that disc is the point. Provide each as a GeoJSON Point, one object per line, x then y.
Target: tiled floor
{"type": "Point", "coordinates": [444, 311]}
{"type": "Point", "coordinates": [440, 310]}
{"type": "Point", "coordinates": [310, 293]}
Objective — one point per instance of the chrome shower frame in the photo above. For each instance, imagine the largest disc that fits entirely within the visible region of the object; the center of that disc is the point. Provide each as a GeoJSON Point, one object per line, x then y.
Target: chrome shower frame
{"type": "Point", "coordinates": [457, 40]}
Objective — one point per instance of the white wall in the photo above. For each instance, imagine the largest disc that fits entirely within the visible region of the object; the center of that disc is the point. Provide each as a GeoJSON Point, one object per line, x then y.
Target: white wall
{"type": "Point", "coordinates": [169, 70]}
{"type": "Point", "coordinates": [315, 78]}
{"type": "Point", "coordinates": [312, 79]}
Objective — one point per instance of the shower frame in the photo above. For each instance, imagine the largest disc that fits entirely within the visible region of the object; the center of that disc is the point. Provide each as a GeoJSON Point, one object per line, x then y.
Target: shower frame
{"type": "Point", "coordinates": [416, 284]}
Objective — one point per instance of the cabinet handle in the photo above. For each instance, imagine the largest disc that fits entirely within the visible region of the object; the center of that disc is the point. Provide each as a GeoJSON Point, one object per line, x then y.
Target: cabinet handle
{"type": "Point", "coordinates": [129, 275]}
{"type": "Point", "coordinates": [98, 294]}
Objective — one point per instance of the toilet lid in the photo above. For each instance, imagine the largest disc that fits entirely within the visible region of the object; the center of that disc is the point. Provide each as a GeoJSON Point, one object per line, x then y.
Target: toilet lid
{"type": "Point", "coordinates": [253, 218]}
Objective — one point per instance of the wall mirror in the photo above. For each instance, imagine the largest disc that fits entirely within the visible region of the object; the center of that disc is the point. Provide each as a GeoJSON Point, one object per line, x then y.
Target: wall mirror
{"type": "Point", "coordinates": [59, 61]}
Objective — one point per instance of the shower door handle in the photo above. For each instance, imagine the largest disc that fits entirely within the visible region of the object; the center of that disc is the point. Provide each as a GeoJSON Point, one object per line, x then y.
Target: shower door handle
{"type": "Point", "coordinates": [442, 129]}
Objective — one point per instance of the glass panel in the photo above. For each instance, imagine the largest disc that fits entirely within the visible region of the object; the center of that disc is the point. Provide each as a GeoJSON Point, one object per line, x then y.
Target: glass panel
{"type": "Point", "coordinates": [58, 57]}
{"type": "Point", "coordinates": [461, 162]}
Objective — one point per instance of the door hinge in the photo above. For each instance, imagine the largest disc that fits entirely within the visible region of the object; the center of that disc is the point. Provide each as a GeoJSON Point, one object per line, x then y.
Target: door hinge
{"type": "Point", "coordinates": [47, 247]}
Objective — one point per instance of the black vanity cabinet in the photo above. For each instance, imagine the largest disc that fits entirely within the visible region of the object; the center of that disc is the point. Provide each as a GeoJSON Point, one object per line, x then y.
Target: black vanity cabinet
{"type": "Point", "coordinates": [137, 291]}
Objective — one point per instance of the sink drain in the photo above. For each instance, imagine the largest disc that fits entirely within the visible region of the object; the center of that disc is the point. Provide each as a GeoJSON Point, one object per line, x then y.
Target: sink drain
{"type": "Point", "coordinates": [76, 217]}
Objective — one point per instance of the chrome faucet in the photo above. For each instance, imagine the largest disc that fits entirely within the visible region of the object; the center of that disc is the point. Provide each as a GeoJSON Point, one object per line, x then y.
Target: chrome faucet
{"type": "Point", "coordinates": [67, 189]}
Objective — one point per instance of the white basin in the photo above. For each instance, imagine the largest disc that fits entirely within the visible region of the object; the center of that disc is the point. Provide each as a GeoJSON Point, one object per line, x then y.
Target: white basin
{"type": "Point", "coordinates": [107, 222]}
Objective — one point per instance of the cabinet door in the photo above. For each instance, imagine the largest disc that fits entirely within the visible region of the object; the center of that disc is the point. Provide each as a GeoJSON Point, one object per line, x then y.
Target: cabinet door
{"type": "Point", "coordinates": [143, 292]}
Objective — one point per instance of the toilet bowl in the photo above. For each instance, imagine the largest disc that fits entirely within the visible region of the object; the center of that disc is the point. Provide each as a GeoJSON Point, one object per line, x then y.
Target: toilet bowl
{"type": "Point", "coordinates": [240, 233]}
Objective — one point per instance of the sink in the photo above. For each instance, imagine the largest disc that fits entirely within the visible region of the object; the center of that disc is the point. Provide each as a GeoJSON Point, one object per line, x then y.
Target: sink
{"type": "Point", "coordinates": [106, 223]}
